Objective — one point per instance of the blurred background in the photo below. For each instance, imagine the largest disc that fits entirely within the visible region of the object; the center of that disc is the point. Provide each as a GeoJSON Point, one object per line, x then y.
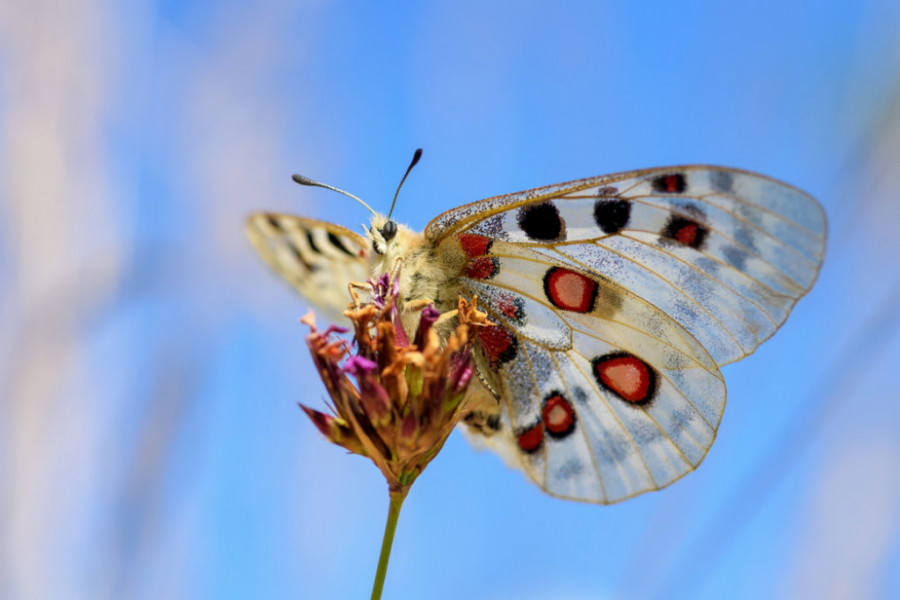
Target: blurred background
{"type": "Point", "coordinates": [150, 366]}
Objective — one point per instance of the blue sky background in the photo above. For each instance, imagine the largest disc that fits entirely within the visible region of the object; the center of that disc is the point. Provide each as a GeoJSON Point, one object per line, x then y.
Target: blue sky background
{"type": "Point", "coordinates": [150, 444]}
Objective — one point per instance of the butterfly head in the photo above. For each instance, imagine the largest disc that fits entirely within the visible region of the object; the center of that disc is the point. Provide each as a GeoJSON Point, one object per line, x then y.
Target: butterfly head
{"type": "Point", "coordinates": [383, 233]}
{"type": "Point", "coordinates": [384, 230]}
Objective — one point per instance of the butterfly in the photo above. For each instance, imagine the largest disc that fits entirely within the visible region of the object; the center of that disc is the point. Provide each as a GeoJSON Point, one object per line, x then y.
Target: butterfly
{"type": "Point", "coordinates": [615, 301]}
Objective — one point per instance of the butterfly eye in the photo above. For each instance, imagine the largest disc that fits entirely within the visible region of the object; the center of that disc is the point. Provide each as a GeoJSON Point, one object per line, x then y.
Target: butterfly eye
{"type": "Point", "coordinates": [389, 231]}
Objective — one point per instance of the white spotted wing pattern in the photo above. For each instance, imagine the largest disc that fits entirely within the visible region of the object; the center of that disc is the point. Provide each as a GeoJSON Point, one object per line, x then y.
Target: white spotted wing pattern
{"type": "Point", "coordinates": [616, 300]}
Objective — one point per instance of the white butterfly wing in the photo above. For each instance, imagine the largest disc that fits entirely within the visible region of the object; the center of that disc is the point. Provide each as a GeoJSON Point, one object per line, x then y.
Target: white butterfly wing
{"type": "Point", "coordinates": [616, 297]}
{"type": "Point", "coordinates": [754, 245]}
{"type": "Point", "coordinates": [317, 258]}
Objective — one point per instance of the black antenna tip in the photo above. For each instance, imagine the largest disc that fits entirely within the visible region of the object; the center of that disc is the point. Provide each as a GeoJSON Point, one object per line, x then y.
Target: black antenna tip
{"type": "Point", "coordinates": [302, 180]}
{"type": "Point", "coordinates": [416, 157]}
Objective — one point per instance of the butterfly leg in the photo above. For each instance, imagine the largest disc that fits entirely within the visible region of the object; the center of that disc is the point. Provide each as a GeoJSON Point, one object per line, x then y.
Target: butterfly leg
{"type": "Point", "coordinates": [353, 286]}
{"type": "Point", "coordinates": [418, 305]}
{"type": "Point", "coordinates": [395, 271]}
{"type": "Point", "coordinates": [450, 314]}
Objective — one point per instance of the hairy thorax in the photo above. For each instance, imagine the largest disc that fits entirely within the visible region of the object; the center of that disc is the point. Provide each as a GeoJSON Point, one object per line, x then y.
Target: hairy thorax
{"type": "Point", "coordinates": [424, 275]}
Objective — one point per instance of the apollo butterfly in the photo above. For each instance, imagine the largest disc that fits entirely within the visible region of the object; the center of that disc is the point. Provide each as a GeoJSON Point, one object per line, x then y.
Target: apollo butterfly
{"type": "Point", "coordinates": [615, 299]}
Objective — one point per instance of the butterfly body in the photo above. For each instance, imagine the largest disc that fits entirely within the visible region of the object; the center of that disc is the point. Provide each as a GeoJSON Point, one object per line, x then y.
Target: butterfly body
{"type": "Point", "coordinates": [615, 301]}
{"type": "Point", "coordinates": [423, 277]}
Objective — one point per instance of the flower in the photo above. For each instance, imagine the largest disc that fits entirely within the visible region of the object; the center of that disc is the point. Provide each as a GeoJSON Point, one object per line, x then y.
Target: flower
{"type": "Point", "coordinates": [407, 397]}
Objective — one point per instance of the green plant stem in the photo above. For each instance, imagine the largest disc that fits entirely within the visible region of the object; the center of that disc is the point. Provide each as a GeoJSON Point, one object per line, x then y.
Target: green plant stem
{"type": "Point", "coordinates": [397, 498]}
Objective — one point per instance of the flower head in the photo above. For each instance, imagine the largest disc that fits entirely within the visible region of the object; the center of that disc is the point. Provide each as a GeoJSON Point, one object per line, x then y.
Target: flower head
{"type": "Point", "coordinates": [407, 397]}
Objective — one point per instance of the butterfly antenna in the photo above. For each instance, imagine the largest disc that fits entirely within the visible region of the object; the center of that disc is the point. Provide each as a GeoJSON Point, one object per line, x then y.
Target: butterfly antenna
{"type": "Point", "coordinates": [415, 159]}
{"type": "Point", "coordinates": [309, 182]}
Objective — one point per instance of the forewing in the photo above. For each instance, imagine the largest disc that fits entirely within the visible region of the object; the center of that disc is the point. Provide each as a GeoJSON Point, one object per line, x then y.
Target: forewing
{"type": "Point", "coordinates": [318, 259]}
{"type": "Point", "coordinates": [726, 253]}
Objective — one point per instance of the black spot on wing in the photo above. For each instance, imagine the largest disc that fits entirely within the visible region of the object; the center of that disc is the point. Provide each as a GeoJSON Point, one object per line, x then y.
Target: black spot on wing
{"type": "Point", "coordinates": [486, 423]}
{"type": "Point", "coordinates": [541, 222]}
{"type": "Point", "coordinates": [273, 222]}
{"type": "Point", "coordinates": [298, 254]}
{"type": "Point", "coordinates": [312, 242]}
{"type": "Point", "coordinates": [612, 215]}
{"type": "Point", "coordinates": [337, 243]}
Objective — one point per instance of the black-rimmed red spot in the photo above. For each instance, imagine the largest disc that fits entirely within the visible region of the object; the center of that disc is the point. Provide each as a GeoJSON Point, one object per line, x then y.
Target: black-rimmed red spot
{"type": "Point", "coordinates": [687, 232]}
{"type": "Point", "coordinates": [541, 222]}
{"type": "Point", "coordinates": [499, 345]}
{"type": "Point", "coordinates": [669, 184]}
{"type": "Point", "coordinates": [531, 438]}
{"type": "Point", "coordinates": [510, 306]}
{"type": "Point", "coordinates": [570, 290]}
{"type": "Point", "coordinates": [625, 375]}
{"type": "Point", "coordinates": [474, 245]}
{"type": "Point", "coordinates": [612, 215]}
{"type": "Point", "coordinates": [558, 415]}
{"type": "Point", "coordinates": [483, 267]}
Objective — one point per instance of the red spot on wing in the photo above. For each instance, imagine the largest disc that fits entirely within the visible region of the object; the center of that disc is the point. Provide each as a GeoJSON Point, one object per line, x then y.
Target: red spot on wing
{"type": "Point", "coordinates": [569, 290]}
{"type": "Point", "coordinates": [532, 438]}
{"type": "Point", "coordinates": [686, 231]}
{"type": "Point", "coordinates": [510, 306]}
{"type": "Point", "coordinates": [687, 234]}
{"type": "Point", "coordinates": [673, 183]}
{"type": "Point", "coordinates": [474, 245]}
{"type": "Point", "coordinates": [483, 267]}
{"type": "Point", "coordinates": [558, 415]}
{"type": "Point", "coordinates": [499, 344]}
{"type": "Point", "coordinates": [627, 376]}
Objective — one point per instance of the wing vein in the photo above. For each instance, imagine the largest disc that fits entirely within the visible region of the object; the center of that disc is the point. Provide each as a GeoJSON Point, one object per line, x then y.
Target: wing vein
{"type": "Point", "coordinates": [701, 272]}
